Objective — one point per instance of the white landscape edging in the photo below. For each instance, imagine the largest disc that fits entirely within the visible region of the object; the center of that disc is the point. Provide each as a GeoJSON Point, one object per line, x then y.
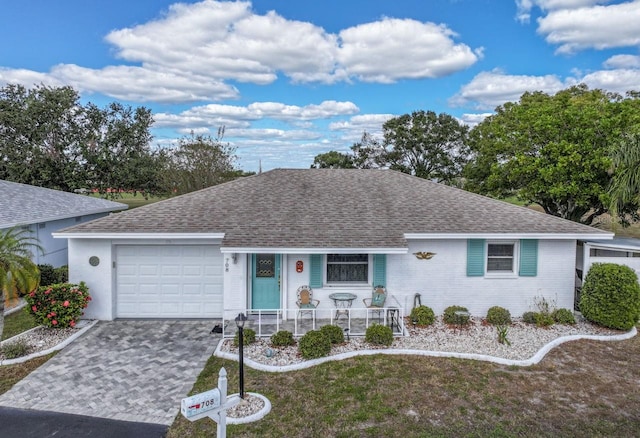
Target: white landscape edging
{"type": "Point", "coordinates": [14, 309]}
{"type": "Point", "coordinates": [483, 357]}
{"type": "Point", "coordinates": [57, 347]}
{"type": "Point", "coordinates": [253, 417]}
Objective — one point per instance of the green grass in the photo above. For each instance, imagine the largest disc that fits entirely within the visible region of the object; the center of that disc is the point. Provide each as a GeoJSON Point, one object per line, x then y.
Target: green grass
{"type": "Point", "coordinates": [16, 323]}
{"type": "Point", "coordinates": [400, 396]}
{"type": "Point", "coordinates": [12, 374]}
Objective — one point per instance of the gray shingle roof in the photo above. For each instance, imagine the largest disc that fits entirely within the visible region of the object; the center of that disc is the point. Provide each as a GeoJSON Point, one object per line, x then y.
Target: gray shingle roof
{"type": "Point", "coordinates": [330, 208]}
{"type": "Point", "coordinates": [22, 204]}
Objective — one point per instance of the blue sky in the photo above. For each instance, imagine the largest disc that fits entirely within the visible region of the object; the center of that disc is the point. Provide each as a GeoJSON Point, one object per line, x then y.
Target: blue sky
{"type": "Point", "coordinates": [290, 79]}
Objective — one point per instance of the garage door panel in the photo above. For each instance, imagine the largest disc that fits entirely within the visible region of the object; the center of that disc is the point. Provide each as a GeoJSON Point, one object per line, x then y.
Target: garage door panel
{"type": "Point", "coordinates": [168, 270]}
{"type": "Point", "coordinates": [170, 281]}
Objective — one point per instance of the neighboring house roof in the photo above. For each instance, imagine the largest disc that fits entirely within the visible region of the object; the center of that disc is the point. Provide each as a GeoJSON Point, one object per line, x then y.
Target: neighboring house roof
{"type": "Point", "coordinates": [623, 243]}
{"type": "Point", "coordinates": [331, 208]}
{"type": "Point", "coordinates": [22, 204]}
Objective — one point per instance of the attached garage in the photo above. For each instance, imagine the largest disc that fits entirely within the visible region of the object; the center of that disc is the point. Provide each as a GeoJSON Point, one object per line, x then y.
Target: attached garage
{"type": "Point", "coordinates": [168, 281]}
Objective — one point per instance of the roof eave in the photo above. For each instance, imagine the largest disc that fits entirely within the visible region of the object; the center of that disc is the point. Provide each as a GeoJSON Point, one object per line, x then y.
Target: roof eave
{"type": "Point", "coordinates": [63, 216]}
{"type": "Point", "coordinates": [313, 250]}
{"type": "Point", "coordinates": [552, 236]}
{"type": "Point", "coordinates": [110, 235]}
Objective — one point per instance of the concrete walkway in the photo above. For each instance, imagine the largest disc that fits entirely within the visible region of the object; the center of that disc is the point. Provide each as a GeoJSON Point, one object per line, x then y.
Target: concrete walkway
{"type": "Point", "coordinates": [121, 370]}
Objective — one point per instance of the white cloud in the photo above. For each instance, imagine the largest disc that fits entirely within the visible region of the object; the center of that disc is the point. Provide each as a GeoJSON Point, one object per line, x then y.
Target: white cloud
{"type": "Point", "coordinates": [144, 85]}
{"type": "Point", "coordinates": [599, 27]}
{"type": "Point", "coordinates": [391, 49]}
{"type": "Point", "coordinates": [619, 80]}
{"type": "Point", "coordinates": [474, 119]}
{"type": "Point", "coordinates": [524, 7]}
{"type": "Point", "coordinates": [363, 122]}
{"type": "Point", "coordinates": [280, 111]}
{"type": "Point", "coordinates": [273, 134]}
{"type": "Point", "coordinates": [623, 61]}
{"type": "Point", "coordinates": [191, 52]}
{"type": "Point", "coordinates": [27, 78]}
{"type": "Point", "coordinates": [488, 90]}
{"type": "Point", "coordinates": [233, 116]}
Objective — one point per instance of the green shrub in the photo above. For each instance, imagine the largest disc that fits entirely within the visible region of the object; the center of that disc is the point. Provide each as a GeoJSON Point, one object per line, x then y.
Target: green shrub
{"type": "Point", "coordinates": [497, 315]}
{"type": "Point", "coordinates": [611, 296]}
{"type": "Point", "coordinates": [50, 275]}
{"type": "Point", "coordinates": [563, 316]}
{"type": "Point", "coordinates": [15, 349]}
{"type": "Point", "coordinates": [59, 305]}
{"type": "Point", "coordinates": [529, 317]}
{"type": "Point", "coordinates": [248, 337]}
{"type": "Point", "coordinates": [334, 333]}
{"type": "Point", "coordinates": [282, 338]}
{"type": "Point", "coordinates": [450, 316]}
{"type": "Point", "coordinates": [314, 344]}
{"type": "Point", "coordinates": [61, 274]}
{"type": "Point", "coordinates": [379, 335]}
{"type": "Point", "coordinates": [423, 315]}
{"type": "Point", "coordinates": [543, 319]}
{"type": "Point", "coordinates": [47, 275]}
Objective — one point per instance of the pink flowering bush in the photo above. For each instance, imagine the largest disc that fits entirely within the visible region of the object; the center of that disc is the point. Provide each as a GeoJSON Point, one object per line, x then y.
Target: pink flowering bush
{"type": "Point", "coordinates": [58, 305]}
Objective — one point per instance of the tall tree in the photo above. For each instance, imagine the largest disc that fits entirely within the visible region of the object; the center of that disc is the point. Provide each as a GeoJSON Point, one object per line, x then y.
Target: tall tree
{"type": "Point", "coordinates": [198, 162]}
{"type": "Point", "coordinates": [117, 151]}
{"type": "Point", "coordinates": [40, 134]}
{"type": "Point", "coordinates": [17, 271]}
{"type": "Point", "coordinates": [48, 138]}
{"type": "Point", "coordinates": [368, 153]}
{"type": "Point", "coordinates": [426, 144]}
{"type": "Point", "coordinates": [552, 150]}
{"type": "Point", "coordinates": [333, 160]}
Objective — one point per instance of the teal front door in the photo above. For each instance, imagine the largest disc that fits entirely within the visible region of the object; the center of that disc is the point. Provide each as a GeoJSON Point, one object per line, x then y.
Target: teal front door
{"type": "Point", "coordinates": [265, 281]}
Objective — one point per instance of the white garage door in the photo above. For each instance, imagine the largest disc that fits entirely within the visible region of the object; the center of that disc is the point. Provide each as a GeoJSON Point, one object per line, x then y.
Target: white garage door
{"type": "Point", "coordinates": [168, 281]}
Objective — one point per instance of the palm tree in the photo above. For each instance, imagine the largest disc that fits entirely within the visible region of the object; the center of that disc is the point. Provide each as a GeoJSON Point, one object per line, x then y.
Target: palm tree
{"type": "Point", "coordinates": [625, 184]}
{"type": "Point", "coordinates": [16, 268]}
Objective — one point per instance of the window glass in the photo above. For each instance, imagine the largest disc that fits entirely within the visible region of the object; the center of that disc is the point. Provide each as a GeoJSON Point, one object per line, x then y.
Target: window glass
{"type": "Point", "coordinates": [500, 257]}
{"type": "Point", "coordinates": [345, 268]}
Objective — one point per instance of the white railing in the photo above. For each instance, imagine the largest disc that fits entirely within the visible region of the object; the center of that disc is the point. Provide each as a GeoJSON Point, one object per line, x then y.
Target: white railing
{"type": "Point", "coordinates": [354, 320]}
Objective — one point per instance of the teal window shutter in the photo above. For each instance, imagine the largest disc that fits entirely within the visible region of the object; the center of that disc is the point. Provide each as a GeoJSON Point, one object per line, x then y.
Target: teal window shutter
{"type": "Point", "coordinates": [315, 270]}
{"type": "Point", "coordinates": [475, 257]}
{"type": "Point", "coordinates": [380, 270]}
{"type": "Point", "coordinates": [528, 257]}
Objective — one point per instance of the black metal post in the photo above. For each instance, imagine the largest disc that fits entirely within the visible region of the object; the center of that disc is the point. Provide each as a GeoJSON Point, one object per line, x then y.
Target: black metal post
{"type": "Point", "coordinates": [240, 320]}
{"type": "Point", "coordinates": [241, 344]}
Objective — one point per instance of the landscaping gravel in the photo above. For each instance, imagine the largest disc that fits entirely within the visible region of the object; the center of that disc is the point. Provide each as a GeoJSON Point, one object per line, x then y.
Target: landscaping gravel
{"type": "Point", "coordinates": [476, 338]}
{"type": "Point", "coordinates": [40, 339]}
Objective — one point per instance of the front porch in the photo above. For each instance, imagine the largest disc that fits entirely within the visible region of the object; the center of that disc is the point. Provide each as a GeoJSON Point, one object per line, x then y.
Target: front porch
{"type": "Point", "coordinates": [354, 320]}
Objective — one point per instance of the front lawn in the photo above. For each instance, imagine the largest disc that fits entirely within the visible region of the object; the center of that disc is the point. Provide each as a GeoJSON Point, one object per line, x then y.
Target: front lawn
{"type": "Point", "coordinates": [16, 323]}
{"type": "Point", "coordinates": [585, 388]}
{"type": "Point", "coordinates": [12, 374]}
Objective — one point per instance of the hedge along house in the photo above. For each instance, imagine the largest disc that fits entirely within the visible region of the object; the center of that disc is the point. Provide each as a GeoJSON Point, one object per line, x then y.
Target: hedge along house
{"type": "Point", "coordinates": [43, 211]}
{"type": "Point", "coordinates": [251, 243]}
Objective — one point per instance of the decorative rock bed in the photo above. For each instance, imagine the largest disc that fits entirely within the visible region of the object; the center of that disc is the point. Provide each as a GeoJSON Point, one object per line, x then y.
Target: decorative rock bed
{"type": "Point", "coordinates": [476, 338]}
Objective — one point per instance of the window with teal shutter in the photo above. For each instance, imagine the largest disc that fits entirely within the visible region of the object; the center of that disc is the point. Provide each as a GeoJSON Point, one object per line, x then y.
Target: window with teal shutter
{"type": "Point", "coordinates": [380, 270]}
{"type": "Point", "coordinates": [315, 270]}
{"type": "Point", "coordinates": [528, 257]}
{"type": "Point", "coordinates": [475, 257]}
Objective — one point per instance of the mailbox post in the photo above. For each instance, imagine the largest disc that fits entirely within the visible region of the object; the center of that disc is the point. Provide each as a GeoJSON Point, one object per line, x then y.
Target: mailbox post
{"type": "Point", "coordinates": [212, 404]}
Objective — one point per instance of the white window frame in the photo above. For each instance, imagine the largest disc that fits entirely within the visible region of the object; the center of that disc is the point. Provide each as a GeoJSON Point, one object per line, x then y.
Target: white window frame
{"type": "Point", "coordinates": [516, 259]}
{"type": "Point", "coordinates": [349, 283]}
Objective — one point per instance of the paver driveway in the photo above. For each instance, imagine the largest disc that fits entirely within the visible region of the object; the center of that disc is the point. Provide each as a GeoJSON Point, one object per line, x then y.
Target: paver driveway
{"type": "Point", "coordinates": [122, 370]}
